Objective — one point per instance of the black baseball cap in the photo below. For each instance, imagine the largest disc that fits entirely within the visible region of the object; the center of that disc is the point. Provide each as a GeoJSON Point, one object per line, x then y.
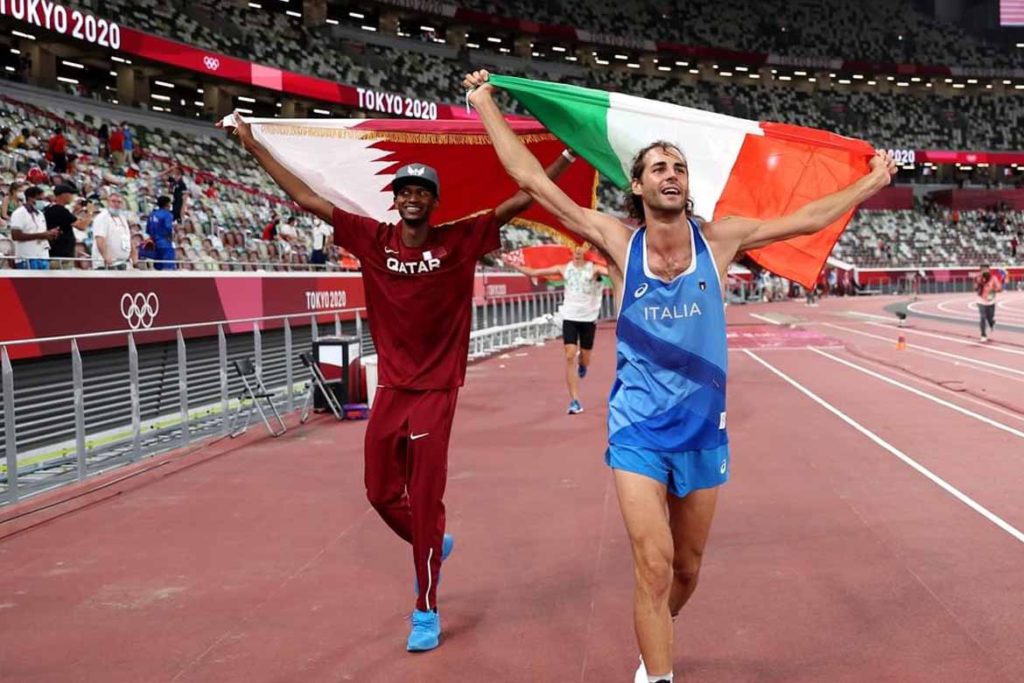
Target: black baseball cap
{"type": "Point", "coordinates": [64, 188]}
{"type": "Point", "coordinates": [417, 174]}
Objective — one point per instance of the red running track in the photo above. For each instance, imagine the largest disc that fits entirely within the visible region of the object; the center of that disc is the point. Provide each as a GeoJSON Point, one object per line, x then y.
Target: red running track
{"type": "Point", "coordinates": [831, 559]}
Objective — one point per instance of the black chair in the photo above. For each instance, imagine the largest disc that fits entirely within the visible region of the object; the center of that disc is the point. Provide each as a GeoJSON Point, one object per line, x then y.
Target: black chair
{"type": "Point", "coordinates": [253, 391]}
{"type": "Point", "coordinates": [317, 381]}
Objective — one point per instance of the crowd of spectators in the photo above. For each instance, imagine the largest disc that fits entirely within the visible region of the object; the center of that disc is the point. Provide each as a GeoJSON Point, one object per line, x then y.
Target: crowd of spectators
{"type": "Point", "coordinates": [85, 197]}
{"type": "Point", "coordinates": [904, 119]}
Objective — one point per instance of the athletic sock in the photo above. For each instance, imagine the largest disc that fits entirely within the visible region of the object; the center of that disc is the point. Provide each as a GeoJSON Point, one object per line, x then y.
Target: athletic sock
{"type": "Point", "coordinates": [659, 679]}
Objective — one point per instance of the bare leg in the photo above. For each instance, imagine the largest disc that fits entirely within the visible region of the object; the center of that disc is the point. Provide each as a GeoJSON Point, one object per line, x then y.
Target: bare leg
{"type": "Point", "coordinates": [585, 357]}
{"type": "Point", "coordinates": [690, 521]}
{"type": "Point", "coordinates": [642, 501]}
{"type": "Point", "coordinates": [571, 378]}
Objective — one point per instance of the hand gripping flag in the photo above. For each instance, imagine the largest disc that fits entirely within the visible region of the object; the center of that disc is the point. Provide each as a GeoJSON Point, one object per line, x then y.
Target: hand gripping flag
{"type": "Point", "coordinates": [737, 167]}
{"type": "Point", "coordinates": [351, 162]}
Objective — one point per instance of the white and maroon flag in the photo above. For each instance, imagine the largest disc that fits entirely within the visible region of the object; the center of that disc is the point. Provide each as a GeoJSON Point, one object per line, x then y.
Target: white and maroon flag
{"type": "Point", "coordinates": [737, 167]}
{"type": "Point", "coordinates": [351, 162]}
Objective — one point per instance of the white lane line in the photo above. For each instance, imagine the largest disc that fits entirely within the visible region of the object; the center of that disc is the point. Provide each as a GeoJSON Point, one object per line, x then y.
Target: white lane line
{"type": "Point", "coordinates": [923, 394]}
{"type": "Point", "coordinates": [921, 469]}
{"type": "Point", "coordinates": [765, 318]}
{"type": "Point", "coordinates": [871, 315]}
{"type": "Point", "coordinates": [951, 315]}
{"type": "Point", "coordinates": [935, 352]}
{"type": "Point", "coordinates": [958, 340]}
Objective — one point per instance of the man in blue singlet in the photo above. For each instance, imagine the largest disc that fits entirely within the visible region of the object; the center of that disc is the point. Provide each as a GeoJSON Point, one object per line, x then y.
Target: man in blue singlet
{"type": "Point", "coordinates": [667, 440]}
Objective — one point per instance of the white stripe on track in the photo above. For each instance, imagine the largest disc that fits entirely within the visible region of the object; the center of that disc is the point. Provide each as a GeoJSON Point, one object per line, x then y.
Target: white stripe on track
{"type": "Point", "coordinates": [935, 352]}
{"type": "Point", "coordinates": [921, 469]}
{"type": "Point", "coordinates": [765, 318]}
{"type": "Point", "coordinates": [958, 340]}
{"type": "Point", "coordinates": [923, 394]}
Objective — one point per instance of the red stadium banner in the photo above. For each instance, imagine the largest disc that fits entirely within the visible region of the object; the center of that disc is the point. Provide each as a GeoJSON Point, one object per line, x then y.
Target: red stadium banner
{"type": "Point", "coordinates": [1011, 12]}
{"type": "Point", "coordinates": [147, 304]}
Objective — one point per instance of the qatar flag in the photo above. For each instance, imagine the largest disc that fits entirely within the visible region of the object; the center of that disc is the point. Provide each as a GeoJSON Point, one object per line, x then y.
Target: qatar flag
{"type": "Point", "coordinates": [351, 163]}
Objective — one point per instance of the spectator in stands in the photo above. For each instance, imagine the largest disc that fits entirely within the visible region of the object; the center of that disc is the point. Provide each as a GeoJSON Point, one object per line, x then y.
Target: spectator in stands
{"type": "Point", "coordinates": [288, 234]}
{"type": "Point", "coordinates": [1014, 243]}
{"type": "Point", "coordinates": [270, 229]}
{"type": "Point", "coordinates": [11, 201]}
{"type": "Point", "coordinates": [104, 135]}
{"type": "Point", "coordinates": [60, 218]}
{"type": "Point", "coordinates": [57, 151]}
{"type": "Point", "coordinates": [21, 139]}
{"type": "Point", "coordinates": [29, 233]}
{"type": "Point", "coordinates": [160, 228]}
{"type": "Point", "coordinates": [179, 193]}
{"type": "Point", "coordinates": [129, 143]}
{"type": "Point", "coordinates": [112, 237]}
{"type": "Point", "coordinates": [116, 144]}
{"type": "Point", "coordinates": [5, 136]}
{"type": "Point", "coordinates": [323, 237]}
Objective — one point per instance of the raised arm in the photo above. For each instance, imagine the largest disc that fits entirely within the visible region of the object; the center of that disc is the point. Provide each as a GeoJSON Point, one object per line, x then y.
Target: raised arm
{"type": "Point", "coordinates": [523, 167]}
{"type": "Point", "coordinates": [295, 188]}
{"type": "Point", "coordinates": [748, 233]}
{"type": "Point", "coordinates": [520, 201]}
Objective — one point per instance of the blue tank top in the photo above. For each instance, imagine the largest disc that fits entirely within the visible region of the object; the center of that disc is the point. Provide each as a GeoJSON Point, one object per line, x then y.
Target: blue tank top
{"type": "Point", "coordinates": [669, 390]}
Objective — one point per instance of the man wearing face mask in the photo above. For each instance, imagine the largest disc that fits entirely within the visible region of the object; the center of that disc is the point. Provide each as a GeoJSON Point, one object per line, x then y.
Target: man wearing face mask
{"type": "Point", "coordinates": [59, 218]}
{"type": "Point", "coordinates": [29, 233]}
{"type": "Point", "coordinates": [112, 237]}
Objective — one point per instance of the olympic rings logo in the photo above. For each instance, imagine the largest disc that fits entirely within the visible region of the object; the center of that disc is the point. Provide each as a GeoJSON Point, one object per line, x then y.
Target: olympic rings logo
{"type": "Point", "coordinates": [211, 63]}
{"type": "Point", "coordinates": [139, 309]}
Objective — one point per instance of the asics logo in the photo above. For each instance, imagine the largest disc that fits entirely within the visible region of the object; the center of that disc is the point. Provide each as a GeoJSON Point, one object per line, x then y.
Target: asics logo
{"type": "Point", "coordinates": [640, 291]}
{"type": "Point", "coordinates": [724, 467]}
{"type": "Point", "coordinates": [140, 310]}
{"type": "Point", "coordinates": [211, 63]}
{"type": "Point", "coordinates": [416, 170]}
{"type": "Point", "coordinates": [389, 250]}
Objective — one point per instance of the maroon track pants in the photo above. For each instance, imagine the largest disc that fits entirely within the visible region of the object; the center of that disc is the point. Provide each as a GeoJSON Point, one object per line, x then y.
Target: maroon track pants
{"type": "Point", "coordinates": [406, 471]}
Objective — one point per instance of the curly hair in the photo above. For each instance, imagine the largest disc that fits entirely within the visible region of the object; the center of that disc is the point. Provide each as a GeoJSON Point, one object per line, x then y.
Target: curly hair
{"type": "Point", "coordinates": [634, 202]}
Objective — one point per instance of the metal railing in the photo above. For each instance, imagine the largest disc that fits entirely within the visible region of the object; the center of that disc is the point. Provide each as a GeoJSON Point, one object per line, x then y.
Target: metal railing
{"type": "Point", "coordinates": [120, 415]}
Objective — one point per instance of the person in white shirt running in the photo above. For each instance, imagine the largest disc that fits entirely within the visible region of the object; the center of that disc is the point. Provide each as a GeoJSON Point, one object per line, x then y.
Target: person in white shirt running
{"type": "Point", "coordinates": [580, 310]}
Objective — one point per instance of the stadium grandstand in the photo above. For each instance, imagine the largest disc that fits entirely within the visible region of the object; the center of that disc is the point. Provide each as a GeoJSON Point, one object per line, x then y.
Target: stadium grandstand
{"type": "Point", "coordinates": [121, 359]}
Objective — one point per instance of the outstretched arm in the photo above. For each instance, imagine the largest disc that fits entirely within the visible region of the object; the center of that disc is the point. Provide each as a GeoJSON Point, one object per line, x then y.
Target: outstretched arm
{"type": "Point", "coordinates": [520, 201]}
{"type": "Point", "coordinates": [750, 234]}
{"type": "Point", "coordinates": [535, 272]}
{"type": "Point", "coordinates": [294, 187]}
{"type": "Point", "coordinates": [523, 167]}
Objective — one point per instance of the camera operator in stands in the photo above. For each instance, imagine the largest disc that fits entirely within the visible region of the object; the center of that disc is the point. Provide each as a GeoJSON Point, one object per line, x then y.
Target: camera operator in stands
{"type": "Point", "coordinates": [59, 218]}
{"type": "Point", "coordinates": [112, 237]}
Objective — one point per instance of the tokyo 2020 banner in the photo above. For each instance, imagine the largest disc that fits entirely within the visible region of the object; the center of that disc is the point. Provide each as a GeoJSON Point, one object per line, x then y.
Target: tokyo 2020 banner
{"type": "Point", "coordinates": [99, 309]}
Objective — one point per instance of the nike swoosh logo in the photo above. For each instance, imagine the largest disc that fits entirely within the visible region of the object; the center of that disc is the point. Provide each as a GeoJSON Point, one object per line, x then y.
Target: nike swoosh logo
{"type": "Point", "coordinates": [414, 437]}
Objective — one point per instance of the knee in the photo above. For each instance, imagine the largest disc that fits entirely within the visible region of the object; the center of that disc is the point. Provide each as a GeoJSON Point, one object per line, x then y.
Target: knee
{"type": "Point", "coordinates": [570, 354]}
{"type": "Point", "coordinates": [653, 572]}
{"type": "Point", "coordinates": [381, 497]}
{"type": "Point", "coordinates": [686, 568]}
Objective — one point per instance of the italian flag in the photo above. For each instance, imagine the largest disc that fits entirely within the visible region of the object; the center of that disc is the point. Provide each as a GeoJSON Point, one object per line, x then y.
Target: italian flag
{"type": "Point", "coordinates": [351, 163]}
{"type": "Point", "coordinates": [737, 167]}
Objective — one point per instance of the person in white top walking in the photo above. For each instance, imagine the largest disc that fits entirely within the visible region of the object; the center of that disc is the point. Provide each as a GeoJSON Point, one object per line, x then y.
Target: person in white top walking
{"type": "Point", "coordinates": [112, 237]}
{"type": "Point", "coordinates": [987, 285]}
{"type": "Point", "coordinates": [29, 234]}
{"type": "Point", "coordinates": [580, 310]}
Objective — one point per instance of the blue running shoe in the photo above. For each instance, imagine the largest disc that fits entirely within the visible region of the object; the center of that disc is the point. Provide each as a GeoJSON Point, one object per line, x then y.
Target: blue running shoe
{"type": "Point", "coordinates": [426, 631]}
{"type": "Point", "coordinates": [575, 407]}
{"type": "Point", "coordinates": [581, 370]}
{"type": "Point", "coordinates": [447, 546]}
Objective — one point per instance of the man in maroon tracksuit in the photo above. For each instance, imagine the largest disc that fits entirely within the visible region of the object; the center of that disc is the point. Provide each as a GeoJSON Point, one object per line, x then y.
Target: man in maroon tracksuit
{"type": "Point", "coordinates": [418, 281]}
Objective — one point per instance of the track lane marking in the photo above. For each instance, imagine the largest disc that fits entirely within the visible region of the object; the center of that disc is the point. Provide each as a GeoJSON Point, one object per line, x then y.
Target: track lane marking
{"type": "Point", "coordinates": [879, 441]}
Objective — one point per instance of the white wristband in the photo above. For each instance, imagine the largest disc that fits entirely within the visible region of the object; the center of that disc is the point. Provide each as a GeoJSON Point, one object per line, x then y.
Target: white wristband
{"type": "Point", "coordinates": [568, 156]}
